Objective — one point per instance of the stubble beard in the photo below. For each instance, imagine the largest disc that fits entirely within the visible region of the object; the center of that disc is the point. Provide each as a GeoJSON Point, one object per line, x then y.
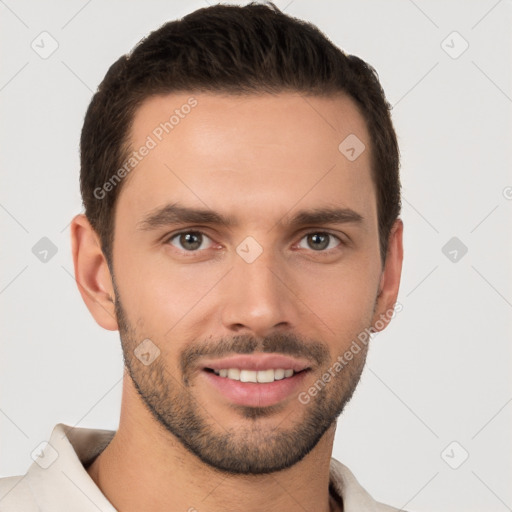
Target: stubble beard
{"type": "Point", "coordinates": [255, 448]}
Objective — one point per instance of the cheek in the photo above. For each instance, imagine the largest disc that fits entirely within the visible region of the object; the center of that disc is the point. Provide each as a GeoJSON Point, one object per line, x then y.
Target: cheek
{"type": "Point", "coordinates": [342, 298]}
{"type": "Point", "coordinates": [163, 293]}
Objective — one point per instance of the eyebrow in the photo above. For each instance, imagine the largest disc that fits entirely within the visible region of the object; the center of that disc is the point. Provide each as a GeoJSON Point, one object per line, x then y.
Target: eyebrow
{"type": "Point", "coordinates": [177, 214]}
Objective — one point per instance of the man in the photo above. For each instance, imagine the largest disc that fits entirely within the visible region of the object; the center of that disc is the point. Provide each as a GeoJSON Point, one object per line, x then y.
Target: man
{"type": "Point", "coordinates": [240, 181]}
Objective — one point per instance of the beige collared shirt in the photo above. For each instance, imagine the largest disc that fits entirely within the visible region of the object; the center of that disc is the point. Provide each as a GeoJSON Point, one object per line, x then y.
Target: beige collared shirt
{"type": "Point", "coordinates": [58, 482]}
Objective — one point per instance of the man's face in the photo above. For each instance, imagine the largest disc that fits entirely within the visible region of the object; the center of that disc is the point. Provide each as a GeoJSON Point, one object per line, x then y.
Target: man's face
{"type": "Point", "coordinates": [270, 291]}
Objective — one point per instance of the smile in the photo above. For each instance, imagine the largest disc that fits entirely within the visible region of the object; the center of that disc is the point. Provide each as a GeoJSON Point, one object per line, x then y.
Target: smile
{"type": "Point", "coordinates": [263, 376]}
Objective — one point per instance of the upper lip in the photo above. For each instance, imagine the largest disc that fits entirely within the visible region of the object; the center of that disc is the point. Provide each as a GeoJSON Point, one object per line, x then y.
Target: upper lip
{"type": "Point", "coordinates": [257, 362]}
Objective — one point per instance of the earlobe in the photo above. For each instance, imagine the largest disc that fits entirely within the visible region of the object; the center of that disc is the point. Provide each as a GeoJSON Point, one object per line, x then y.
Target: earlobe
{"type": "Point", "coordinates": [92, 274]}
{"type": "Point", "coordinates": [390, 278]}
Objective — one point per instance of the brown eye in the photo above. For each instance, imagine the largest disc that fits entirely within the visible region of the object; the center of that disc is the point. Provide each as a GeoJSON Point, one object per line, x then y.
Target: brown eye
{"type": "Point", "coordinates": [319, 241]}
{"type": "Point", "coordinates": [189, 240]}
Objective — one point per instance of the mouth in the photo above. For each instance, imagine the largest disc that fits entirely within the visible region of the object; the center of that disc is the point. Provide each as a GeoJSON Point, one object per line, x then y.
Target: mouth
{"type": "Point", "coordinates": [261, 376]}
{"type": "Point", "coordinates": [255, 380]}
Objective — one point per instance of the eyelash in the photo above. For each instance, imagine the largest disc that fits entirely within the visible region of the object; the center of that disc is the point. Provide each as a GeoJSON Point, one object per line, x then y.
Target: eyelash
{"type": "Point", "coordinates": [197, 251]}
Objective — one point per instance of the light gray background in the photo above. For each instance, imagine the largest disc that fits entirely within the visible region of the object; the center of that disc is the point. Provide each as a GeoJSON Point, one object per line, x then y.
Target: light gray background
{"type": "Point", "coordinates": [440, 373]}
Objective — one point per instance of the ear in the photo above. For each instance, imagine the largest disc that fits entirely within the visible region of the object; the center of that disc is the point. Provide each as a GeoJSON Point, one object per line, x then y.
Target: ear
{"type": "Point", "coordinates": [390, 279]}
{"type": "Point", "coordinates": [92, 274]}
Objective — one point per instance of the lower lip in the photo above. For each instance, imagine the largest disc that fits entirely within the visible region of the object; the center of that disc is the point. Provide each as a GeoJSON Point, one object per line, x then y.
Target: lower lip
{"type": "Point", "coordinates": [254, 394]}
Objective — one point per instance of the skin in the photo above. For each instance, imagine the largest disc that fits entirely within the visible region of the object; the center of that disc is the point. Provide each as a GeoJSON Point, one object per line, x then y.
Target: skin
{"type": "Point", "coordinates": [260, 159]}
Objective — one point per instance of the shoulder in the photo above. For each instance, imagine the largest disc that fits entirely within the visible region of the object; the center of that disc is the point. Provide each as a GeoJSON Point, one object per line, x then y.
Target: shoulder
{"type": "Point", "coordinates": [16, 495]}
{"type": "Point", "coordinates": [352, 493]}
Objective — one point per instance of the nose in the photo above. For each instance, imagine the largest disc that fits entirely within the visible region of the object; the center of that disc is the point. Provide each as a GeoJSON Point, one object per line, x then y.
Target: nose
{"type": "Point", "coordinates": [258, 297]}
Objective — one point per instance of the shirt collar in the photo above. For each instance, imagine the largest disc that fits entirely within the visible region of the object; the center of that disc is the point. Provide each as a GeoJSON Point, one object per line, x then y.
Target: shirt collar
{"type": "Point", "coordinates": [65, 483]}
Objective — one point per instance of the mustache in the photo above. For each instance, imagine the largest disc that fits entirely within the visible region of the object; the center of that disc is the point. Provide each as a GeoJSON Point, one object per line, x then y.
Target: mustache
{"type": "Point", "coordinates": [279, 343]}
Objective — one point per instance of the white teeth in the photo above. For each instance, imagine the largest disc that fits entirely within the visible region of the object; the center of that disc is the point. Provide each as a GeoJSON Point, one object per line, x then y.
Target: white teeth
{"type": "Point", "coordinates": [248, 376]}
{"type": "Point", "coordinates": [279, 374]}
{"type": "Point", "coordinates": [265, 376]}
{"type": "Point", "coordinates": [262, 376]}
{"type": "Point", "coordinates": [234, 373]}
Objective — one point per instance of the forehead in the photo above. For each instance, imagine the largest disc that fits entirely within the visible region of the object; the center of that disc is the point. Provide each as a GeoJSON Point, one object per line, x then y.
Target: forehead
{"type": "Point", "coordinates": [286, 119]}
{"type": "Point", "coordinates": [249, 150]}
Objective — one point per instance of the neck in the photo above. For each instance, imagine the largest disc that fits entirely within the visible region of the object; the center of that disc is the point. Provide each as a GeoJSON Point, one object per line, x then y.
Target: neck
{"type": "Point", "coordinates": [154, 472]}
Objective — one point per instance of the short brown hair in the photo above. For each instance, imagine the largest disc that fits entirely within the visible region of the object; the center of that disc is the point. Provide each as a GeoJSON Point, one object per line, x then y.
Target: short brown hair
{"type": "Point", "coordinates": [236, 50]}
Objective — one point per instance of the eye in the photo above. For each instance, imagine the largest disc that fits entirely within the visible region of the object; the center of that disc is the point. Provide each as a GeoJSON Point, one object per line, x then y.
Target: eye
{"type": "Point", "coordinates": [190, 241]}
{"type": "Point", "coordinates": [319, 241]}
